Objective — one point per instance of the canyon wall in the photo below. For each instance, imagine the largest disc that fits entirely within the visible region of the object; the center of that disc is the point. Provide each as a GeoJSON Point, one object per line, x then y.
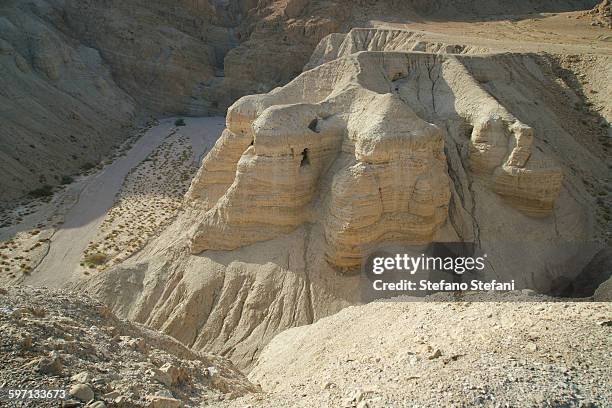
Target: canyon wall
{"type": "Point", "coordinates": [78, 74]}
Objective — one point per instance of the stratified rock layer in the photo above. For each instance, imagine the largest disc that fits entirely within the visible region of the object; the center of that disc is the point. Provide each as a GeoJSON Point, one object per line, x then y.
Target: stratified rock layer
{"type": "Point", "coordinates": [346, 145]}
{"type": "Point", "coordinates": [325, 149]}
{"type": "Point", "coordinates": [402, 147]}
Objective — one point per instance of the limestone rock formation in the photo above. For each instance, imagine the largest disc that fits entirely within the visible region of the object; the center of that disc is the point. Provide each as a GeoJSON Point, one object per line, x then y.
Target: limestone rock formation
{"type": "Point", "coordinates": [324, 149]}
{"type": "Point", "coordinates": [338, 45]}
{"type": "Point", "coordinates": [335, 147]}
{"type": "Point", "coordinates": [88, 70]}
{"type": "Point", "coordinates": [371, 148]}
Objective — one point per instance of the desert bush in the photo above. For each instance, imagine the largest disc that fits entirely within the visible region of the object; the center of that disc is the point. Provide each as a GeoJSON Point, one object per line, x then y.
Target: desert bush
{"type": "Point", "coordinates": [179, 122]}
{"type": "Point", "coordinates": [44, 191]}
{"type": "Point", "coordinates": [88, 166]}
{"type": "Point", "coordinates": [97, 258]}
{"type": "Point", "coordinates": [66, 180]}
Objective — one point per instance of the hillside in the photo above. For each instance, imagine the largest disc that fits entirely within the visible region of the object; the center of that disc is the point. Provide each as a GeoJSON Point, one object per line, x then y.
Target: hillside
{"type": "Point", "coordinates": [54, 339]}
{"type": "Point", "coordinates": [88, 71]}
{"type": "Point", "coordinates": [152, 254]}
{"type": "Point", "coordinates": [520, 352]}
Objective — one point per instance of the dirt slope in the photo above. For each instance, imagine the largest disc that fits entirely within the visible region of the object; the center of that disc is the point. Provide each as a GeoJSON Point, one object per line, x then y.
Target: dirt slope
{"type": "Point", "coordinates": [261, 245]}
{"type": "Point", "coordinates": [468, 353]}
{"type": "Point", "coordinates": [54, 339]}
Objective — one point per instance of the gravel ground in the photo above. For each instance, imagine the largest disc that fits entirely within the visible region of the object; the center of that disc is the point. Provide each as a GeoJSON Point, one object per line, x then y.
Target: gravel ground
{"type": "Point", "coordinates": [54, 339]}
{"type": "Point", "coordinates": [518, 353]}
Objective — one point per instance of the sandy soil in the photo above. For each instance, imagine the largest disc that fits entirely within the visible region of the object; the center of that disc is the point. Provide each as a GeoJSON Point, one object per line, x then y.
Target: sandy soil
{"type": "Point", "coordinates": [565, 33]}
{"type": "Point", "coordinates": [27, 224]}
{"type": "Point", "coordinates": [149, 199]}
{"type": "Point", "coordinates": [61, 262]}
{"type": "Point", "coordinates": [521, 352]}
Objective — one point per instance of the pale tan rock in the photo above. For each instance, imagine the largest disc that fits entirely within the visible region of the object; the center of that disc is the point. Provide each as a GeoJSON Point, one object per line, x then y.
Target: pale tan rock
{"type": "Point", "coordinates": [300, 135]}
{"type": "Point", "coordinates": [156, 401]}
{"type": "Point", "coordinates": [329, 148]}
{"type": "Point", "coordinates": [82, 392]}
{"type": "Point", "coordinates": [282, 232]}
{"type": "Point", "coordinates": [176, 375]}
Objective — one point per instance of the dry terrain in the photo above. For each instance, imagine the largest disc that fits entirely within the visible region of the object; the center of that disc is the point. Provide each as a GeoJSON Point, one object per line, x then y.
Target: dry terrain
{"type": "Point", "coordinates": [215, 261]}
{"type": "Point", "coordinates": [59, 340]}
{"type": "Point", "coordinates": [521, 352]}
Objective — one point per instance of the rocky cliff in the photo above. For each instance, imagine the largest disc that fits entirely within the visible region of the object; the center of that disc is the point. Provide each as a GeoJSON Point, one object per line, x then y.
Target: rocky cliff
{"type": "Point", "coordinates": [88, 70]}
{"type": "Point", "coordinates": [343, 145]}
{"type": "Point", "coordinates": [371, 148]}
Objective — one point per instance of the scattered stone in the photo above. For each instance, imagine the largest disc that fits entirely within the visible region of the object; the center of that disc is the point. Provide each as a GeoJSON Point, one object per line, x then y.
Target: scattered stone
{"type": "Point", "coordinates": [136, 344]}
{"type": "Point", "coordinates": [162, 377]}
{"type": "Point", "coordinates": [96, 404]}
{"type": "Point", "coordinates": [87, 363]}
{"type": "Point", "coordinates": [435, 354]}
{"type": "Point", "coordinates": [157, 401]}
{"type": "Point", "coordinates": [51, 365]}
{"type": "Point", "coordinates": [26, 341]}
{"type": "Point", "coordinates": [112, 395]}
{"type": "Point", "coordinates": [175, 374]}
{"type": "Point", "coordinates": [82, 377]}
{"type": "Point", "coordinates": [82, 392]}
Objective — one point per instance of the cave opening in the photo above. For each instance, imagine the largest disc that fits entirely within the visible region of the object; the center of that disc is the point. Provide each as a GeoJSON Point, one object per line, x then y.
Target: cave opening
{"type": "Point", "coordinates": [305, 158]}
{"type": "Point", "coordinates": [313, 125]}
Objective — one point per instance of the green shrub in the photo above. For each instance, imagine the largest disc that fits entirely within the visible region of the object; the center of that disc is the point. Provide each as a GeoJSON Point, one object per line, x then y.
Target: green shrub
{"type": "Point", "coordinates": [179, 122]}
{"type": "Point", "coordinates": [44, 191]}
{"type": "Point", "coordinates": [66, 180]}
{"type": "Point", "coordinates": [87, 166]}
{"type": "Point", "coordinates": [97, 258]}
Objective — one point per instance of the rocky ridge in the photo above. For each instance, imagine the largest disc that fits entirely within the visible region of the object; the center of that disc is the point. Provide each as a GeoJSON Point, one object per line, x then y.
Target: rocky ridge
{"type": "Point", "coordinates": [54, 339]}
{"type": "Point", "coordinates": [88, 70]}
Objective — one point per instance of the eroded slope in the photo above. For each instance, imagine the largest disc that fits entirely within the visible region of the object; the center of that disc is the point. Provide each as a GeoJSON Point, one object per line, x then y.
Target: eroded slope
{"type": "Point", "coordinates": [370, 148]}
{"type": "Point", "coordinates": [522, 352]}
{"type": "Point", "coordinates": [54, 339]}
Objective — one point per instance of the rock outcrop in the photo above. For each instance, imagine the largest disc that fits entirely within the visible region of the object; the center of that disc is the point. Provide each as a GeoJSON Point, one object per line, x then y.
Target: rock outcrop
{"type": "Point", "coordinates": [83, 72]}
{"type": "Point", "coordinates": [369, 149]}
{"type": "Point", "coordinates": [66, 341]}
{"type": "Point", "coordinates": [343, 146]}
{"type": "Point", "coordinates": [324, 150]}
{"type": "Point", "coordinates": [601, 14]}
{"type": "Point", "coordinates": [338, 45]}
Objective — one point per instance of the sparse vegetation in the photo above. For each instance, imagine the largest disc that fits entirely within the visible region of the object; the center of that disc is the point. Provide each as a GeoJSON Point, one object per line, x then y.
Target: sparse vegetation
{"type": "Point", "coordinates": [66, 180]}
{"type": "Point", "coordinates": [179, 122]}
{"type": "Point", "coordinates": [96, 259]}
{"type": "Point", "coordinates": [87, 166]}
{"type": "Point", "coordinates": [44, 191]}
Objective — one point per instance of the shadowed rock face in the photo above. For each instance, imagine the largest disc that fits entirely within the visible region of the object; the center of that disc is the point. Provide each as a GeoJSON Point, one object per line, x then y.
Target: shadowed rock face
{"type": "Point", "coordinates": [78, 74]}
{"type": "Point", "coordinates": [347, 145]}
